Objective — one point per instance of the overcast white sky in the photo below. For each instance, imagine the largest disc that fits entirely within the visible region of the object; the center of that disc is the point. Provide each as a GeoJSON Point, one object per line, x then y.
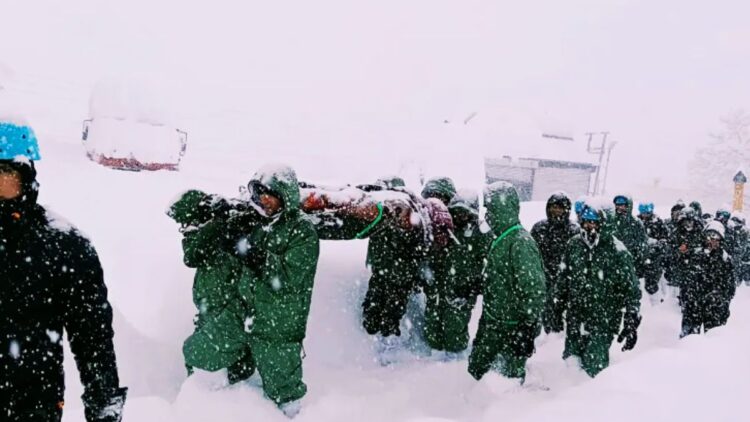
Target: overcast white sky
{"type": "Point", "coordinates": [656, 74]}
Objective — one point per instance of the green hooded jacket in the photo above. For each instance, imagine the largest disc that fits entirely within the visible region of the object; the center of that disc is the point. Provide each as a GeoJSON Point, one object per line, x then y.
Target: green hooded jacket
{"type": "Point", "coordinates": [515, 287]}
{"type": "Point", "coordinates": [282, 255]}
{"type": "Point", "coordinates": [596, 284]}
{"type": "Point", "coordinates": [457, 279]}
{"type": "Point", "coordinates": [290, 247]}
{"type": "Point", "coordinates": [219, 338]}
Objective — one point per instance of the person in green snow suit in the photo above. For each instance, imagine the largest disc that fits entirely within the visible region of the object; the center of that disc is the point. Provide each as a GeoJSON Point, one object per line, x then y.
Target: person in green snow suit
{"type": "Point", "coordinates": [453, 294]}
{"type": "Point", "coordinates": [514, 290]}
{"type": "Point", "coordinates": [282, 256]}
{"type": "Point", "coordinates": [396, 250]}
{"type": "Point", "coordinates": [597, 282]}
{"type": "Point", "coordinates": [211, 226]}
{"type": "Point", "coordinates": [631, 232]}
{"type": "Point", "coordinates": [395, 254]}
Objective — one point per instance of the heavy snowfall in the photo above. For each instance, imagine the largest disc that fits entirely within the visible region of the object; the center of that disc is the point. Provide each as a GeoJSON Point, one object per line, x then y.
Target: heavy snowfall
{"type": "Point", "coordinates": [348, 93]}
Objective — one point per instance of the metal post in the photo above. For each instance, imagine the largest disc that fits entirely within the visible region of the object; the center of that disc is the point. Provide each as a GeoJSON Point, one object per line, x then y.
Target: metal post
{"type": "Point", "coordinates": [591, 150]}
{"type": "Point", "coordinates": [606, 166]}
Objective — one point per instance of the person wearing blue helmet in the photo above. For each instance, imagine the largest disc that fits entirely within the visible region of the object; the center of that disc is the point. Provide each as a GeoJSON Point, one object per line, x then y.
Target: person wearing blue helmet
{"type": "Point", "coordinates": [52, 282]}
{"type": "Point", "coordinates": [597, 282]}
{"type": "Point", "coordinates": [631, 232]}
{"type": "Point", "coordinates": [579, 209]}
{"type": "Point", "coordinates": [658, 234]}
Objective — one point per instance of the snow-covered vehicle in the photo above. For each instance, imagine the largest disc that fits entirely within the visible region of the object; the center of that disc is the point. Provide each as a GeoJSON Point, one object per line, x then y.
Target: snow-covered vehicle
{"type": "Point", "coordinates": [127, 131]}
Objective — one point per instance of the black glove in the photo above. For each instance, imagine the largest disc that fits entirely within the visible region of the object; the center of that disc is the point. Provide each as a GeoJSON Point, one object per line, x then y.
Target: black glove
{"type": "Point", "coordinates": [629, 331]}
{"type": "Point", "coordinates": [522, 342]}
{"type": "Point", "coordinates": [105, 407]}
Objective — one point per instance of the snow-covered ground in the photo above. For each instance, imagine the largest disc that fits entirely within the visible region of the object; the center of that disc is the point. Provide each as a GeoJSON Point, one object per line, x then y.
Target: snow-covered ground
{"type": "Point", "coordinates": [700, 378]}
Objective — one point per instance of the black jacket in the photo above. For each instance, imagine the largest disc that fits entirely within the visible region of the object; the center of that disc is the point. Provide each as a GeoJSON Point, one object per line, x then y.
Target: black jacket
{"type": "Point", "coordinates": [656, 228]}
{"type": "Point", "coordinates": [50, 281]}
{"type": "Point", "coordinates": [712, 281]}
{"type": "Point", "coordinates": [552, 238]}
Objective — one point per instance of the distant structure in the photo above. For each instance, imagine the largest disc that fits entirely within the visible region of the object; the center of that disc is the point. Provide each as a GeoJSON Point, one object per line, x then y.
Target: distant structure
{"type": "Point", "coordinates": [536, 178]}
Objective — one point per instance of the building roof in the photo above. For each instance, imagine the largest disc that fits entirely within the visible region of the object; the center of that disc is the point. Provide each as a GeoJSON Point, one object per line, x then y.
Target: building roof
{"type": "Point", "coordinates": [521, 135]}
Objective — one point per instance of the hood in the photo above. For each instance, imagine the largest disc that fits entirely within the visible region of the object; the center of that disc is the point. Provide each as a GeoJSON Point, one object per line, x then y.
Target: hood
{"type": "Point", "coordinates": [697, 207]}
{"type": "Point", "coordinates": [440, 187]}
{"type": "Point", "coordinates": [715, 226]}
{"type": "Point", "coordinates": [465, 206]}
{"type": "Point", "coordinates": [503, 206]}
{"type": "Point", "coordinates": [281, 180]}
{"type": "Point", "coordinates": [561, 199]}
{"type": "Point", "coordinates": [391, 182]}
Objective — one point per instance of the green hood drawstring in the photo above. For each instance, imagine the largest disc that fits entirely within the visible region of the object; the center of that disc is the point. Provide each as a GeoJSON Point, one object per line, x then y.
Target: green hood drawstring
{"type": "Point", "coordinates": [504, 235]}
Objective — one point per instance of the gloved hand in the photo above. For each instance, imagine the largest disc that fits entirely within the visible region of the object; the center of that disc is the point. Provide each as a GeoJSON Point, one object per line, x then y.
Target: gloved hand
{"type": "Point", "coordinates": [105, 407]}
{"type": "Point", "coordinates": [192, 208]}
{"type": "Point", "coordinates": [252, 247]}
{"type": "Point", "coordinates": [651, 288]}
{"type": "Point", "coordinates": [522, 343]}
{"type": "Point", "coordinates": [629, 331]}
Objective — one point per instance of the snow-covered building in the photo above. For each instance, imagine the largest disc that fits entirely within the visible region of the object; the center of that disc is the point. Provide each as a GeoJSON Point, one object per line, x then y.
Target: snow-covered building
{"type": "Point", "coordinates": [536, 178]}
{"type": "Point", "coordinates": [535, 152]}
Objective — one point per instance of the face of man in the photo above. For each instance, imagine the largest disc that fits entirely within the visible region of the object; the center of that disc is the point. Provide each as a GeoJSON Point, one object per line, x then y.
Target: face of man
{"type": "Point", "coordinates": [271, 204]}
{"type": "Point", "coordinates": [557, 213]}
{"type": "Point", "coordinates": [713, 241]}
{"type": "Point", "coordinates": [590, 231]}
{"type": "Point", "coordinates": [688, 224]}
{"type": "Point", "coordinates": [645, 216]}
{"type": "Point", "coordinates": [10, 184]}
{"type": "Point", "coordinates": [621, 209]}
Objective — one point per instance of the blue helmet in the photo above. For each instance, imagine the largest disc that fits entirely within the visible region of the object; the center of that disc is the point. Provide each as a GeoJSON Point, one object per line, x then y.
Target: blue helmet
{"type": "Point", "coordinates": [590, 214]}
{"type": "Point", "coordinates": [579, 207]}
{"type": "Point", "coordinates": [18, 140]}
{"type": "Point", "coordinates": [646, 208]}
{"type": "Point", "coordinates": [621, 200]}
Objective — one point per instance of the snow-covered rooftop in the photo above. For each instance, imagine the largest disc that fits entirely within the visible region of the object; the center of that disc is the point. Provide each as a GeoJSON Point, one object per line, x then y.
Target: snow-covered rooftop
{"type": "Point", "coordinates": [505, 132]}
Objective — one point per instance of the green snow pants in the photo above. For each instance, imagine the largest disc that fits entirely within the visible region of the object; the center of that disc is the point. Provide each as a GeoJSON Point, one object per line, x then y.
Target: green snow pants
{"type": "Point", "coordinates": [447, 322]}
{"type": "Point", "coordinates": [280, 367]}
{"type": "Point", "coordinates": [217, 343]}
{"type": "Point", "coordinates": [385, 304]}
{"type": "Point", "coordinates": [591, 349]}
{"type": "Point", "coordinates": [494, 348]}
